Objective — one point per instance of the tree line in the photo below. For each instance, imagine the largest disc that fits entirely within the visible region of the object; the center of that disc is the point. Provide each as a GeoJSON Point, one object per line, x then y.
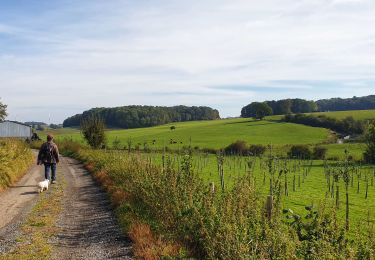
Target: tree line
{"type": "Point", "coordinates": [144, 116]}
{"type": "Point", "coordinates": [279, 107]}
{"type": "Point", "coordinates": [347, 125]}
{"type": "Point", "coordinates": [341, 104]}
{"type": "Point", "coordinates": [297, 105]}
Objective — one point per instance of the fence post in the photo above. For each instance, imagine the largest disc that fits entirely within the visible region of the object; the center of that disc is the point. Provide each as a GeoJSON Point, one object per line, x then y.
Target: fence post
{"type": "Point", "coordinates": [269, 206]}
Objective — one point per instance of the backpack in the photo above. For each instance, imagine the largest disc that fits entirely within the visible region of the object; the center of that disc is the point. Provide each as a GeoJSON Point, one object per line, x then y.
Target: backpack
{"type": "Point", "coordinates": [47, 152]}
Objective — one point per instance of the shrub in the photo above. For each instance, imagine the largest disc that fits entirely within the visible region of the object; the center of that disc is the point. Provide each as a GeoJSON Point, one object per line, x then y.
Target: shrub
{"type": "Point", "coordinates": [300, 151]}
{"type": "Point", "coordinates": [210, 150]}
{"type": "Point", "coordinates": [257, 149]}
{"type": "Point", "coordinates": [239, 147]}
{"type": "Point", "coordinates": [92, 130]}
{"type": "Point", "coordinates": [319, 152]}
{"type": "Point", "coordinates": [369, 154]}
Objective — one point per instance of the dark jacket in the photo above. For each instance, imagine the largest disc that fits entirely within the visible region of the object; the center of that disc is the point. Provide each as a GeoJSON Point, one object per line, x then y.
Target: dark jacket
{"type": "Point", "coordinates": [48, 153]}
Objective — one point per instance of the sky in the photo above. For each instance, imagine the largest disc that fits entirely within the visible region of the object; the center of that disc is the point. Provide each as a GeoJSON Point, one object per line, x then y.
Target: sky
{"type": "Point", "coordinates": [59, 58]}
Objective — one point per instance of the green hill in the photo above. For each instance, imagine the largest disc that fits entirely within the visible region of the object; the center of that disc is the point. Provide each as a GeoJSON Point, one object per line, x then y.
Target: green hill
{"type": "Point", "coordinates": [213, 134]}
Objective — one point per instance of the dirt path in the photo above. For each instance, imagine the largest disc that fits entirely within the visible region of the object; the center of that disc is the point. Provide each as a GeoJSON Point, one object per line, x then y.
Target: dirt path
{"type": "Point", "coordinates": [15, 204]}
{"type": "Point", "coordinates": [88, 228]}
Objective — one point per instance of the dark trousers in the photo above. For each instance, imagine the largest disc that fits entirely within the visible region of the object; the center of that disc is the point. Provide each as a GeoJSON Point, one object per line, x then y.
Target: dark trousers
{"type": "Point", "coordinates": [48, 167]}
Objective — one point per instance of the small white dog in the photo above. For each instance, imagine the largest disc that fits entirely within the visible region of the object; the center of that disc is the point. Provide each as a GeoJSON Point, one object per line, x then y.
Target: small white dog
{"type": "Point", "coordinates": [43, 185]}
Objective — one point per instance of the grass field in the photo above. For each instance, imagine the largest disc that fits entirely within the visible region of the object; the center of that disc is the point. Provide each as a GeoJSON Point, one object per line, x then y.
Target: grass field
{"type": "Point", "coordinates": [310, 189]}
{"type": "Point", "coordinates": [213, 134]}
{"type": "Point", "coordinates": [356, 114]}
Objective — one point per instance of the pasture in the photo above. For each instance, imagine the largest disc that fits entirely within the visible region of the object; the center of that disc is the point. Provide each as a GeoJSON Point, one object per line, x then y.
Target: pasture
{"type": "Point", "coordinates": [210, 134]}
{"type": "Point", "coordinates": [356, 114]}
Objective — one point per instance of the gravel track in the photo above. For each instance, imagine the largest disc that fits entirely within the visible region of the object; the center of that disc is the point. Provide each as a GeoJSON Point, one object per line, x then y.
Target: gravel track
{"type": "Point", "coordinates": [15, 204]}
{"type": "Point", "coordinates": [87, 226]}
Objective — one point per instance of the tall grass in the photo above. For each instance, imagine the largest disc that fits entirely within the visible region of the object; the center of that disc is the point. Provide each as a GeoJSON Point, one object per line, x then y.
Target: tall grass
{"type": "Point", "coordinates": [15, 159]}
{"type": "Point", "coordinates": [173, 212]}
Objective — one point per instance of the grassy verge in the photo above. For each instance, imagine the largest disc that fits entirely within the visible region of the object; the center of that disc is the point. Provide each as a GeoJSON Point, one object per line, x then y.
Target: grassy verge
{"type": "Point", "coordinates": [174, 212]}
{"type": "Point", "coordinates": [15, 159]}
{"type": "Point", "coordinates": [39, 227]}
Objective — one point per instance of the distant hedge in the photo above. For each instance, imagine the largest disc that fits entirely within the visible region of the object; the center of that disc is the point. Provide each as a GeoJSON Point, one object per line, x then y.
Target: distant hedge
{"type": "Point", "coordinates": [144, 116]}
{"type": "Point", "coordinates": [347, 125]}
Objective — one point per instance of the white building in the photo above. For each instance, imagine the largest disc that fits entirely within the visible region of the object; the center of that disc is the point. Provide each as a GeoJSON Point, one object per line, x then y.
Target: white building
{"type": "Point", "coordinates": [14, 129]}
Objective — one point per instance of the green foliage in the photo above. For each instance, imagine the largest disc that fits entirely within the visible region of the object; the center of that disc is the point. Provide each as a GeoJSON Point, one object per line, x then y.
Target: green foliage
{"type": "Point", "coordinates": [144, 116]}
{"type": "Point", "coordinates": [92, 129]}
{"type": "Point", "coordinates": [362, 115]}
{"type": "Point", "coordinates": [173, 199]}
{"type": "Point", "coordinates": [3, 111]}
{"type": "Point", "coordinates": [116, 143]}
{"type": "Point", "coordinates": [286, 106]}
{"type": "Point", "coordinates": [213, 134]}
{"type": "Point", "coordinates": [237, 148]}
{"type": "Point", "coordinates": [257, 110]}
{"type": "Point", "coordinates": [15, 158]}
{"type": "Point", "coordinates": [354, 103]}
{"type": "Point", "coordinates": [319, 152]}
{"type": "Point", "coordinates": [319, 232]}
{"type": "Point", "coordinates": [300, 151]}
{"type": "Point", "coordinates": [257, 149]}
{"type": "Point", "coordinates": [369, 154]}
{"type": "Point", "coordinates": [347, 125]}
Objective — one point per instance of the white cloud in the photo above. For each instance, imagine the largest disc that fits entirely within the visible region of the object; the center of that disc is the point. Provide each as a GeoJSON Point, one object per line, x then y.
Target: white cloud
{"type": "Point", "coordinates": [107, 54]}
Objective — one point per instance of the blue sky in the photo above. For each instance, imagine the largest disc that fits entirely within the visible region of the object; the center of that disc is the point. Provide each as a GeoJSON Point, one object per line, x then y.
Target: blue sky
{"type": "Point", "coordinates": [58, 58]}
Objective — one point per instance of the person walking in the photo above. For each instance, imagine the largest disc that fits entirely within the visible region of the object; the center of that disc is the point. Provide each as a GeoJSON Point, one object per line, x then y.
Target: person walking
{"type": "Point", "coordinates": [49, 156]}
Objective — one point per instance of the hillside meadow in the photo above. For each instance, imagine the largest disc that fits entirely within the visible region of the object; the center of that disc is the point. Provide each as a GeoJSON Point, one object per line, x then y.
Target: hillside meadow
{"type": "Point", "coordinates": [214, 134]}
{"type": "Point", "coordinates": [356, 114]}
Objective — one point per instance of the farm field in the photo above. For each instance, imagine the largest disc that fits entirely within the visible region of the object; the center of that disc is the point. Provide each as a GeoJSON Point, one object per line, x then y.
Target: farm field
{"type": "Point", "coordinates": [212, 134]}
{"type": "Point", "coordinates": [306, 180]}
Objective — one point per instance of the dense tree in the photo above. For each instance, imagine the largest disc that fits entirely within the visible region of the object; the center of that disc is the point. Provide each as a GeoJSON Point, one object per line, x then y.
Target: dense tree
{"type": "Point", "coordinates": [3, 111]}
{"type": "Point", "coordinates": [93, 130]}
{"type": "Point", "coordinates": [144, 116]}
{"type": "Point", "coordinates": [287, 106]}
{"type": "Point", "coordinates": [257, 110]}
{"type": "Point", "coordinates": [345, 126]}
{"type": "Point", "coordinates": [369, 154]}
{"type": "Point", "coordinates": [297, 105]}
{"type": "Point", "coordinates": [340, 104]}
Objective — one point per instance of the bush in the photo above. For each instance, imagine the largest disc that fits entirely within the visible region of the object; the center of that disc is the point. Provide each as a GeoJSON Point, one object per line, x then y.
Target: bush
{"type": "Point", "coordinates": [210, 150]}
{"type": "Point", "coordinates": [239, 148]}
{"type": "Point", "coordinates": [319, 152]}
{"type": "Point", "coordinates": [369, 154]}
{"type": "Point", "coordinates": [300, 151]}
{"type": "Point", "coordinates": [169, 209]}
{"type": "Point", "coordinates": [257, 149]}
{"type": "Point", "coordinates": [92, 130]}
